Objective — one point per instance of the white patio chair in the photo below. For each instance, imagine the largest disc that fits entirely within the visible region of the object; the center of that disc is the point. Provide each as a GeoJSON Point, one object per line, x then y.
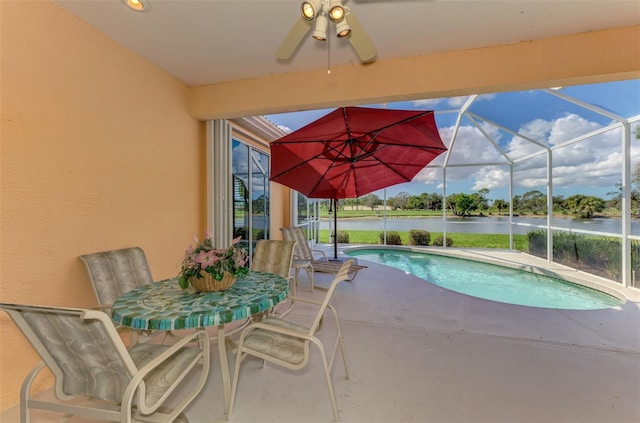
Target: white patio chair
{"type": "Point", "coordinates": [274, 256]}
{"type": "Point", "coordinates": [114, 273]}
{"type": "Point", "coordinates": [286, 343]}
{"type": "Point", "coordinates": [304, 257]}
{"type": "Point", "coordinates": [96, 376]}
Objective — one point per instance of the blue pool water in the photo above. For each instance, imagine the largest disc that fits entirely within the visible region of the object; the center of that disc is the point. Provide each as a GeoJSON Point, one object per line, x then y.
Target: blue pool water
{"type": "Point", "coordinates": [490, 281]}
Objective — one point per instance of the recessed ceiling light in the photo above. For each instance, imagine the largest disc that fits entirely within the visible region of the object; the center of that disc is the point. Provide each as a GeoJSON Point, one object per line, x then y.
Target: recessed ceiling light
{"type": "Point", "coordinates": [137, 5]}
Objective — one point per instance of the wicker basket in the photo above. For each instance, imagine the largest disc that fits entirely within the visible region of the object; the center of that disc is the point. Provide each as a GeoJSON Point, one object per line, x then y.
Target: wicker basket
{"type": "Point", "coordinates": [208, 283]}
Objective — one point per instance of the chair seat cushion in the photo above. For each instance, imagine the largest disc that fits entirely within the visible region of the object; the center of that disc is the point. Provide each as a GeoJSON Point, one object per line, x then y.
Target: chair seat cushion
{"type": "Point", "coordinates": [160, 379]}
{"type": "Point", "coordinates": [286, 348]}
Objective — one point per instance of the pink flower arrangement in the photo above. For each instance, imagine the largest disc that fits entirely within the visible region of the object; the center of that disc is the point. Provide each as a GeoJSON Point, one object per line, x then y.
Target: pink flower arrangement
{"type": "Point", "coordinates": [204, 257]}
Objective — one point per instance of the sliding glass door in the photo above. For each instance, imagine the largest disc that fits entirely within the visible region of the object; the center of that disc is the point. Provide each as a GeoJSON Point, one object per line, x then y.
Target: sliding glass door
{"type": "Point", "coordinates": [250, 194]}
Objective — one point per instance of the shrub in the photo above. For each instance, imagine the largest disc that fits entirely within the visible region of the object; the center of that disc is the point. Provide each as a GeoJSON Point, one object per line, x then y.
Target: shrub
{"type": "Point", "coordinates": [393, 238]}
{"type": "Point", "coordinates": [438, 241]}
{"type": "Point", "coordinates": [342, 237]}
{"type": "Point", "coordinates": [537, 243]}
{"type": "Point", "coordinates": [419, 237]}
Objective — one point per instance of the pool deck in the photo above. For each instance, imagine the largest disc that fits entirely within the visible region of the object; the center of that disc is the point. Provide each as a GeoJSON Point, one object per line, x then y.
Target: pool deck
{"type": "Point", "coordinates": [421, 353]}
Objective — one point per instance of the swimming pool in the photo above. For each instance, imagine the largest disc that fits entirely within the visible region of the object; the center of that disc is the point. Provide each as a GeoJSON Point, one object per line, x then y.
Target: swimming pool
{"type": "Point", "coordinates": [490, 281]}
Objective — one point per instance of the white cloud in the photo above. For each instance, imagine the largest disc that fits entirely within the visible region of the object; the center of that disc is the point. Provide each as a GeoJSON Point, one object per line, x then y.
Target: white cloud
{"type": "Point", "coordinates": [490, 177]}
{"type": "Point", "coordinates": [427, 103]}
{"type": "Point", "coordinates": [471, 146]}
{"type": "Point", "coordinates": [453, 102]}
{"type": "Point", "coordinates": [594, 163]}
{"type": "Point", "coordinates": [457, 102]}
{"type": "Point", "coordinates": [428, 176]}
{"type": "Point", "coordinates": [570, 127]}
{"type": "Point", "coordinates": [486, 97]}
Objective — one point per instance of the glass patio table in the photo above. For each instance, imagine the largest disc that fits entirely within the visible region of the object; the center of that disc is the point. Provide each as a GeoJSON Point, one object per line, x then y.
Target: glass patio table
{"type": "Point", "coordinates": [165, 306]}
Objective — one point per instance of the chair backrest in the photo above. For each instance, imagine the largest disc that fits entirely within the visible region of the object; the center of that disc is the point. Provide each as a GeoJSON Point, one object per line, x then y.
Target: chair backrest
{"type": "Point", "coordinates": [342, 275]}
{"type": "Point", "coordinates": [302, 250]}
{"type": "Point", "coordinates": [273, 256]}
{"type": "Point", "coordinates": [114, 273]}
{"type": "Point", "coordinates": [82, 348]}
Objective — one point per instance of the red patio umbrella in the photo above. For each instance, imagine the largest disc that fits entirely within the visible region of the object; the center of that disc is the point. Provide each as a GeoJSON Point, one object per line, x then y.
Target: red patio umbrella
{"type": "Point", "coordinates": [353, 151]}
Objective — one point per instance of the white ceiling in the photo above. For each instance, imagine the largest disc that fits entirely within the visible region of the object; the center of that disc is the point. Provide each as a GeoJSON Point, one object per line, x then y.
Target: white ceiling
{"type": "Point", "coordinates": [207, 41]}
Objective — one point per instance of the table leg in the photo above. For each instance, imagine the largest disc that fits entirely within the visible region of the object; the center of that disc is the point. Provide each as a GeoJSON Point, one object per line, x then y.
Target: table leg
{"type": "Point", "coordinates": [224, 368]}
{"type": "Point", "coordinates": [295, 281]}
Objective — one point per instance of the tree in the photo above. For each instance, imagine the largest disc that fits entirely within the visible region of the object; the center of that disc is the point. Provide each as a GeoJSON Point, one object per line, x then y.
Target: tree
{"type": "Point", "coordinates": [415, 202]}
{"type": "Point", "coordinates": [483, 203]}
{"type": "Point", "coordinates": [391, 203]}
{"type": "Point", "coordinates": [465, 204]}
{"type": "Point", "coordinates": [433, 201]}
{"type": "Point", "coordinates": [516, 202]}
{"type": "Point", "coordinates": [371, 201]}
{"type": "Point", "coordinates": [500, 205]}
{"type": "Point", "coordinates": [584, 206]}
{"type": "Point", "coordinates": [558, 202]}
{"type": "Point", "coordinates": [400, 200]}
{"type": "Point", "coordinates": [533, 200]}
{"type": "Point", "coordinates": [462, 204]}
{"type": "Point", "coordinates": [479, 200]}
{"type": "Point", "coordinates": [616, 201]}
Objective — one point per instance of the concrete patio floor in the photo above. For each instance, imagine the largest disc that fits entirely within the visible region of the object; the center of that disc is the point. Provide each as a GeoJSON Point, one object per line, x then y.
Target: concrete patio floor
{"type": "Point", "coordinates": [420, 353]}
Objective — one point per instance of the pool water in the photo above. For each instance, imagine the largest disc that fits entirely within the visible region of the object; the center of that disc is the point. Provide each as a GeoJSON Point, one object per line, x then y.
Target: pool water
{"type": "Point", "coordinates": [491, 282]}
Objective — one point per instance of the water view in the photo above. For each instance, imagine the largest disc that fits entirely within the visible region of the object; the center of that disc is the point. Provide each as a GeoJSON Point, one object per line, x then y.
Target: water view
{"type": "Point", "coordinates": [473, 224]}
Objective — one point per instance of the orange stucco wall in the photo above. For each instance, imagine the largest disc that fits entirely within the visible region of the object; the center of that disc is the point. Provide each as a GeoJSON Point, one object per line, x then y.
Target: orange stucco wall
{"type": "Point", "coordinates": [97, 152]}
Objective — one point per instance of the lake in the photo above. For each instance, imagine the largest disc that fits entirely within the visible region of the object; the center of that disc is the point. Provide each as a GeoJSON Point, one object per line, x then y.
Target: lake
{"type": "Point", "coordinates": [486, 225]}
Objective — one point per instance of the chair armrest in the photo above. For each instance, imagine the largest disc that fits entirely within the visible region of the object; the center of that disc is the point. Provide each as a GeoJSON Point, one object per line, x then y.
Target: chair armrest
{"type": "Point", "coordinates": [304, 300]}
{"type": "Point", "coordinates": [281, 330]}
{"type": "Point", "coordinates": [322, 253]}
{"type": "Point", "coordinates": [102, 307]}
{"type": "Point", "coordinates": [137, 379]}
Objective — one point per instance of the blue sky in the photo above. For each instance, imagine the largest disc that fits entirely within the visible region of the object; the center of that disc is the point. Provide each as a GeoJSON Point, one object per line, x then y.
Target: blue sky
{"type": "Point", "coordinates": [591, 167]}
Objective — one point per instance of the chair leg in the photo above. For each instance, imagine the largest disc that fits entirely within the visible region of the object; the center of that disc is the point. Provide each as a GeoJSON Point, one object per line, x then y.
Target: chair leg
{"type": "Point", "coordinates": [332, 395]}
{"type": "Point", "coordinates": [25, 393]}
{"type": "Point", "coordinates": [342, 350]}
{"type": "Point", "coordinates": [295, 281]}
{"type": "Point", "coordinates": [310, 276]}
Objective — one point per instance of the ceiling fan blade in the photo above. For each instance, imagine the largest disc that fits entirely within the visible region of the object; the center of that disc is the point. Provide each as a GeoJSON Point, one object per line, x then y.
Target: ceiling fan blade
{"type": "Point", "coordinates": [293, 39]}
{"type": "Point", "coordinates": [359, 40]}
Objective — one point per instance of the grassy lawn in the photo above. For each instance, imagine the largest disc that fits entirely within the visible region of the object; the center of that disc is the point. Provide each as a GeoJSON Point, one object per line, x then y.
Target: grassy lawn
{"type": "Point", "coordinates": [364, 213]}
{"type": "Point", "coordinates": [459, 239]}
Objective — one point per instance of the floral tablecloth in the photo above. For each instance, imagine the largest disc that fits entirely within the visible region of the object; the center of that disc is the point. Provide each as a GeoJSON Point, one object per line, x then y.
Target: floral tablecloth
{"type": "Point", "coordinates": [164, 305]}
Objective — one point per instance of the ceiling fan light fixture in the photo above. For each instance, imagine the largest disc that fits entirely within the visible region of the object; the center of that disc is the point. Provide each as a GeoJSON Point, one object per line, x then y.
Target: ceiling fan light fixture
{"type": "Point", "coordinates": [320, 30]}
{"type": "Point", "coordinates": [336, 11]}
{"type": "Point", "coordinates": [343, 29]}
{"type": "Point", "coordinates": [309, 9]}
{"type": "Point", "coordinates": [137, 5]}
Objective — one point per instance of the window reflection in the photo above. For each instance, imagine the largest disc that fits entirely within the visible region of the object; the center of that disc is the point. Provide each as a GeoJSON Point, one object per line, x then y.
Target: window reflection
{"type": "Point", "coordinates": [250, 170]}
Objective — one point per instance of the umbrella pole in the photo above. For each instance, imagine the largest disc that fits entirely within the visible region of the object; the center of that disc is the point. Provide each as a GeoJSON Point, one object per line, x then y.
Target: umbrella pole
{"type": "Point", "coordinates": [335, 229]}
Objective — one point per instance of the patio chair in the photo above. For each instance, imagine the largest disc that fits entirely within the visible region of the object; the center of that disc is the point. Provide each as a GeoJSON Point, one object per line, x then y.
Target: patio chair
{"type": "Point", "coordinates": [304, 258]}
{"type": "Point", "coordinates": [97, 377]}
{"type": "Point", "coordinates": [274, 256]}
{"type": "Point", "coordinates": [114, 273]}
{"type": "Point", "coordinates": [286, 343]}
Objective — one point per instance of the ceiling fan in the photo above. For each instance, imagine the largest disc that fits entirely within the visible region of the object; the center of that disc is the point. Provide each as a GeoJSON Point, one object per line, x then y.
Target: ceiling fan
{"type": "Point", "coordinates": [319, 14]}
